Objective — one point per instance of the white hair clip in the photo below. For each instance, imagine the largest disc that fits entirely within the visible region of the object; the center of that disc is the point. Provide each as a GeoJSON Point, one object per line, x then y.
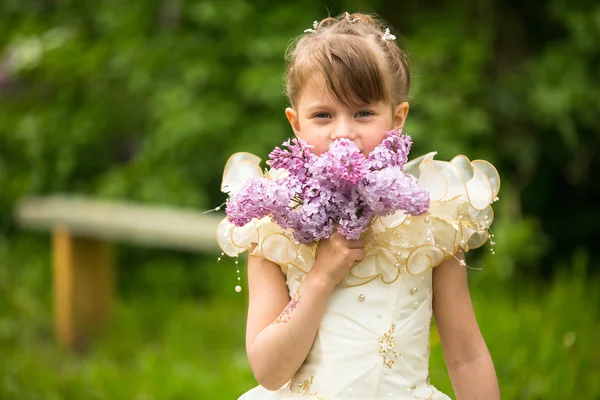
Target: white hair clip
{"type": "Point", "coordinates": [314, 28]}
{"type": "Point", "coordinates": [351, 20]}
{"type": "Point", "coordinates": [387, 35]}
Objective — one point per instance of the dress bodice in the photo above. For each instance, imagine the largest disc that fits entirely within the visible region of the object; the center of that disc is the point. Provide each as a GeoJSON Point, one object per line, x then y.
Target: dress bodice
{"type": "Point", "coordinates": [373, 342]}
{"type": "Point", "coordinates": [373, 339]}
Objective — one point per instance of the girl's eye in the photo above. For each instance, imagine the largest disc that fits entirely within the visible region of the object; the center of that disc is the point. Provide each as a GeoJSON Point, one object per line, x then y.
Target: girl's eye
{"type": "Point", "coordinates": [322, 115]}
{"type": "Point", "coordinates": [363, 114]}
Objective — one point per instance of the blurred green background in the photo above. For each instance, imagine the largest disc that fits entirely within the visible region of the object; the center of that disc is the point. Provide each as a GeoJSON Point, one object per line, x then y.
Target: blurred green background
{"type": "Point", "coordinates": [145, 100]}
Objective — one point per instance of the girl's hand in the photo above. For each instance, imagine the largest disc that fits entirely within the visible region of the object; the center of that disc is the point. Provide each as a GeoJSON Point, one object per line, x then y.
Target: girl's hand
{"type": "Point", "coordinates": [336, 255]}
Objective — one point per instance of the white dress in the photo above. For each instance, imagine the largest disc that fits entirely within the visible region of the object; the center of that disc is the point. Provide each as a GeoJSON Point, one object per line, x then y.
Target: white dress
{"type": "Point", "coordinates": [373, 339]}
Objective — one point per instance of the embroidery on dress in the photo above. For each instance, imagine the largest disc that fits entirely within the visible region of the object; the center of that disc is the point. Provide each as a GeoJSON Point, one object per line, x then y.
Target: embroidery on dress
{"type": "Point", "coordinates": [386, 347]}
{"type": "Point", "coordinates": [414, 396]}
{"type": "Point", "coordinates": [303, 387]}
{"type": "Point", "coordinates": [285, 314]}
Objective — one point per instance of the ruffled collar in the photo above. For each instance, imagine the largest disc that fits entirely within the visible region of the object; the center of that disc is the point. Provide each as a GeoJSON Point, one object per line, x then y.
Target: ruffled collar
{"type": "Point", "coordinates": [459, 217]}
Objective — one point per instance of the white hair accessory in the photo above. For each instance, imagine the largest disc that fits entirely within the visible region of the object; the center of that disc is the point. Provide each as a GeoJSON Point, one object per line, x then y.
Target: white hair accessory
{"type": "Point", "coordinates": [351, 20]}
{"type": "Point", "coordinates": [314, 28]}
{"type": "Point", "coordinates": [387, 35]}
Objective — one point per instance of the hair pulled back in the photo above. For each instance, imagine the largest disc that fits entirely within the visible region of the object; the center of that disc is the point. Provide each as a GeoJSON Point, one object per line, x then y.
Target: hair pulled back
{"type": "Point", "coordinates": [358, 64]}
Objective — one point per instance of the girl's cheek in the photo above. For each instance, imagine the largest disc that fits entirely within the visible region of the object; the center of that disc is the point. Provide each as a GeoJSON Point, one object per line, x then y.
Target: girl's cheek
{"type": "Point", "coordinates": [320, 145]}
{"type": "Point", "coordinates": [318, 149]}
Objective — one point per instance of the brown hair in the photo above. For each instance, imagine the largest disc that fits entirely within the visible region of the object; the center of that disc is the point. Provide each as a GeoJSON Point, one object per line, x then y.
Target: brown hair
{"type": "Point", "coordinates": [358, 65]}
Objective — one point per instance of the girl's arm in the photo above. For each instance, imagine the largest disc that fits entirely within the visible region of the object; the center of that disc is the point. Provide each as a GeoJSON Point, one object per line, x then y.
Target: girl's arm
{"type": "Point", "coordinates": [467, 357]}
{"type": "Point", "coordinates": [280, 331]}
{"type": "Point", "coordinates": [277, 342]}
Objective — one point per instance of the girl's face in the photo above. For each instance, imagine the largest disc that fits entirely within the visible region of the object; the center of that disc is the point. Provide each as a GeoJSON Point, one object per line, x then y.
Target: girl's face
{"type": "Point", "coordinates": [319, 119]}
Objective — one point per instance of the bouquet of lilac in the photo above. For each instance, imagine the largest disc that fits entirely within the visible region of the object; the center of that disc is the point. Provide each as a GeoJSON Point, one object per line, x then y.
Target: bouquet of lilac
{"type": "Point", "coordinates": [340, 189]}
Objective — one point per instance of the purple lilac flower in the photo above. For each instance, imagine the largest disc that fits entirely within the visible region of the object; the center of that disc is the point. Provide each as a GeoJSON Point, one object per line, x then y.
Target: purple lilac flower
{"type": "Point", "coordinates": [355, 215]}
{"type": "Point", "coordinates": [295, 159]}
{"type": "Point", "coordinates": [313, 221]}
{"type": "Point", "coordinates": [317, 218]}
{"type": "Point", "coordinates": [339, 189]}
{"type": "Point", "coordinates": [342, 166]}
{"type": "Point", "coordinates": [258, 198]}
{"type": "Point", "coordinates": [389, 190]}
{"type": "Point", "coordinates": [392, 152]}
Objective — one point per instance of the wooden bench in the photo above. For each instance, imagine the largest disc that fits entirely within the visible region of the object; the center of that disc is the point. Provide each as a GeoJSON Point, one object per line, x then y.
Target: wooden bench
{"type": "Point", "coordinates": [83, 231]}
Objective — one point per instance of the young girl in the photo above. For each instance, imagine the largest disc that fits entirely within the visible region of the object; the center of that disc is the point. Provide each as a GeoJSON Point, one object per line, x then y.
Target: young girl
{"type": "Point", "coordinates": [351, 318]}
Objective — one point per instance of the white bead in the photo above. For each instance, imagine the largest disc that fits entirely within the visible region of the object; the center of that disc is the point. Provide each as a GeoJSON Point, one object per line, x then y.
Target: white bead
{"type": "Point", "coordinates": [218, 208]}
{"type": "Point", "coordinates": [407, 222]}
{"type": "Point", "coordinates": [428, 239]}
{"type": "Point", "coordinates": [238, 271]}
{"type": "Point", "coordinates": [239, 279]}
{"type": "Point", "coordinates": [349, 390]}
{"type": "Point", "coordinates": [462, 262]}
{"type": "Point", "coordinates": [368, 383]}
{"type": "Point", "coordinates": [401, 313]}
{"type": "Point", "coordinates": [426, 220]}
{"type": "Point", "coordinates": [462, 242]}
{"type": "Point", "coordinates": [361, 297]}
{"type": "Point", "coordinates": [238, 288]}
{"type": "Point", "coordinates": [414, 290]}
{"type": "Point", "coordinates": [399, 254]}
{"type": "Point", "coordinates": [416, 304]}
{"type": "Point", "coordinates": [397, 265]}
{"type": "Point", "coordinates": [298, 278]}
{"type": "Point", "coordinates": [390, 394]}
{"type": "Point", "coordinates": [408, 391]}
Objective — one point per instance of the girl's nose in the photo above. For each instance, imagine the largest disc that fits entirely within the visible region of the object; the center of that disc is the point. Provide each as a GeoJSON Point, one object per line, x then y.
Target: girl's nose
{"type": "Point", "coordinates": [343, 129]}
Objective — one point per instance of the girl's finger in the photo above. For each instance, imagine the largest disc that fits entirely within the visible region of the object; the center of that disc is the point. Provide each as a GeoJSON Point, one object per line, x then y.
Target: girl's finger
{"type": "Point", "coordinates": [356, 244]}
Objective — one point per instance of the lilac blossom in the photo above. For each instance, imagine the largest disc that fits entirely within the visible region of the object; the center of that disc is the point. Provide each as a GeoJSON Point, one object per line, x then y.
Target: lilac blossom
{"type": "Point", "coordinates": [392, 152]}
{"type": "Point", "coordinates": [390, 189]}
{"type": "Point", "coordinates": [295, 159]}
{"type": "Point", "coordinates": [340, 189]}
{"type": "Point", "coordinates": [258, 198]}
{"type": "Point", "coordinates": [342, 165]}
{"type": "Point", "coordinates": [355, 215]}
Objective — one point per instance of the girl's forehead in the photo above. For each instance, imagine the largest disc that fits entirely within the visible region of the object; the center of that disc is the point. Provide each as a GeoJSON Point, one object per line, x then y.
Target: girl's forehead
{"type": "Point", "coordinates": [316, 91]}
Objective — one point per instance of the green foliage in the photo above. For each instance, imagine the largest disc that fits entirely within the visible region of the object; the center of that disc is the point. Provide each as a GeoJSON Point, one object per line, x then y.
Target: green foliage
{"type": "Point", "coordinates": [514, 83]}
{"type": "Point", "coordinates": [145, 100]}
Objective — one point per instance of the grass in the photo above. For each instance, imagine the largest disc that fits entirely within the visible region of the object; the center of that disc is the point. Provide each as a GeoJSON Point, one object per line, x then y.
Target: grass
{"type": "Point", "coordinates": [167, 345]}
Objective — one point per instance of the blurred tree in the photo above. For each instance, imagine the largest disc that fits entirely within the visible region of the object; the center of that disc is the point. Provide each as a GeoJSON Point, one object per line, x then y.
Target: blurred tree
{"type": "Point", "coordinates": [145, 100]}
{"type": "Point", "coordinates": [516, 83]}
